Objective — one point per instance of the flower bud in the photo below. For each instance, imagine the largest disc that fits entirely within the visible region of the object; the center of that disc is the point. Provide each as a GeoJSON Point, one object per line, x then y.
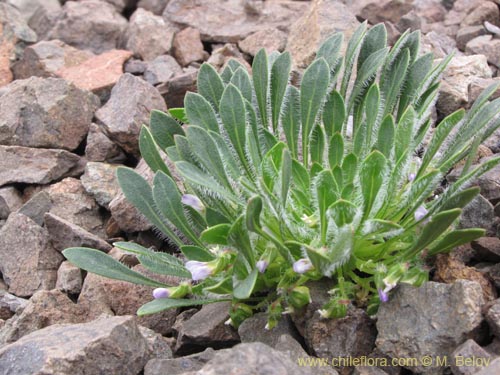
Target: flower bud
{"type": "Point", "coordinates": [384, 296]}
{"type": "Point", "coordinates": [193, 201]}
{"type": "Point", "coordinates": [161, 293]}
{"type": "Point", "coordinates": [262, 265]}
{"type": "Point", "coordinates": [420, 213]}
{"type": "Point", "coordinates": [411, 177]}
{"type": "Point", "coordinates": [302, 265]}
{"type": "Point", "coordinates": [199, 270]}
{"type": "Point", "coordinates": [299, 297]}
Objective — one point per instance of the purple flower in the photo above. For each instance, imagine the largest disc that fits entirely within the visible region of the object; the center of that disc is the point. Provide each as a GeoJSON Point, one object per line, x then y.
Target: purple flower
{"type": "Point", "coordinates": [161, 293]}
{"type": "Point", "coordinates": [411, 177]}
{"type": "Point", "coordinates": [193, 201]}
{"type": "Point", "coordinates": [262, 265]}
{"type": "Point", "coordinates": [302, 265]}
{"type": "Point", "coordinates": [420, 213]}
{"type": "Point", "coordinates": [384, 297]}
{"type": "Point", "coordinates": [199, 270]}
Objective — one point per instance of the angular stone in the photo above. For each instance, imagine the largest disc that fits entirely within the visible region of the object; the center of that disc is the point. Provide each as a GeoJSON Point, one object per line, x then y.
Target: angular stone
{"type": "Point", "coordinates": [97, 74]}
{"type": "Point", "coordinates": [91, 25]}
{"type": "Point", "coordinates": [110, 345]}
{"type": "Point", "coordinates": [155, 6]}
{"type": "Point", "coordinates": [101, 148]}
{"type": "Point", "coordinates": [174, 90]}
{"type": "Point", "coordinates": [440, 44]}
{"type": "Point", "coordinates": [122, 5]}
{"type": "Point", "coordinates": [487, 249]}
{"type": "Point", "coordinates": [64, 234]}
{"type": "Point", "coordinates": [161, 69]}
{"type": "Point", "coordinates": [10, 304]}
{"type": "Point", "coordinates": [253, 329]}
{"type": "Point", "coordinates": [323, 18]}
{"type": "Point", "coordinates": [36, 207]}
{"type": "Point", "coordinates": [101, 295]}
{"type": "Point", "coordinates": [10, 201]}
{"type": "Point", "coordinates": [179, 366]}
{"type": "Point", "coordinates": [233, 20]}
{"type": "Point", "coordinates": [45, 112]}
{"type": "Point", "coordinates": [486, 11]}
{"type": "Point", "coordinates": [128, 108]}
{"type": "Point", "coordinates": [271, 40]}
{"type": "Point", "coordinates": [44, 19]}
{"type": "Point", "coordinates": [45, 58]}
{"type": "Point", "coordinates": [475, 89]}
{"type": "Point", "coordinates": [385, 10]}
{"type": "Point", "coordinates": [33, 265]}
{"type": "Point", "coordinates": [69, 278]}
{"type": "Point", "coordinates": [99, 180]}
{"type": "Point", "coordinates": [467, 33]}
{"type": "Point", "coordinates": [492, 369]}
{"type": "Point", "coordinates": [28, 8]}
{"type": "Point", "coordinates": [493, 318]}
{"type": "Point", "coordinates": [220, 56]}
{"type": "Point", "coordinates": [158, 345]}
{"type": "Point", "coordinates": [485, 45]}
{"type": "Point", "coordinates": [45, 308]}
{"type": "Point", "coordinates": [187, 46]}
{"type": "Point", "coordinates": [149, 36]}
{"type": "Point", "coordinates": [408, 328]}
{"type": "Point", "coordinates": [469, 349]}
{"type": "Point", "coordinates": [135, 66]}
{"type": "Point", "coordinates": [206, 328]}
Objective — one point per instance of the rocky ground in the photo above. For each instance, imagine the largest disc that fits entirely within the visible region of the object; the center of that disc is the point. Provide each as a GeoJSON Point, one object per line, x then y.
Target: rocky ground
{"type": "Point", "coordinates": [79, 78]}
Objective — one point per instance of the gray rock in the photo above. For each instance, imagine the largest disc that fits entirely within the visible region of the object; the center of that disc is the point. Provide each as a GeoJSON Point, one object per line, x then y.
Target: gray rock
{"type": "Point", "coordinates": [28, 8]}
{"type": "Point", "coordinates": [36, 207]}
{"type": "Point", "coordinates": [155, 6]}
{"type": "Point", "coordinates": [179, 366]}
{"type": "Point", "coordinates": [485, 11]}
{"type": "Point", "coordinates": [485, 45]}
{"type": "Point", "coordinates": [33, 265]}
{"type": "Point", "coordinates": [271, 40]}
{"type": "Point", "coordinates": [45, 112]}
{"type": "Point", "coordinates": [253, 329]}
{"type": "Point", "coordinates": [99, 180]}
{"type": "Point", "coordinates": [367, 370]}
{"type": "Point", "coordinates": [467, 33]}
{"type": "Point", "coordinates": [493, 318]}
{"type": "Point", "coordinates": [233, 20]}
{"type": "Point", "coordinates": [187, 46]}
{"type": "Point", "coordinates": [10, 304]}
{"type": "Point", "coordinates": [158, 345]}
{"type": "Point", "coordinates": [174, 90]}
{"type": "Point", "coordinates": [479, 214]}
{"type": "Point", "coordinates": [323, 18]}
{"type": "Point", "coordinates": [487, 249]}
{"type": "Point", "coordinates": [161, 69]}
{"type": "Point", "coordinates": [10, 201]}
{"type": "Point", "coordinates": [135, 66]}
{"type": "Point", "coordinates": [149, 36]}
{"type": "Point", "coordinates": [64, 234]}
{"type": "Point", "coordinates": [440, 44]}
{"type": "Point", "coordinates": [45, 58]}
{"type": "Point", "coordinates": [109, 345]}
{"type": "Point", "coordinates": [467, 351]}
{"type": "Point", "coordinates": [492, 369]}
{"type": "Point", "coordinates": [206, 328]}
{"type": "Point", "coordinates": [92, 25]}
{"type": "Point", "coordinates": [69, 278]}
{"type": "Point", "coordinates": [408, 328]}
{"type": "Point", "coordinates": [122, 5]}
{"type": "Point", "coordinates": [43, 20]}
{"type": "Point", "coordinates": [220, 56]}
{"type": "Point", "coordinates": [384, 10]}
{"type": "Point", "coordinates": [45, 308]}
{"type": "Point", "coordinates": [101, 148]}
{"type": "Point", "coordinates": [128, 108]}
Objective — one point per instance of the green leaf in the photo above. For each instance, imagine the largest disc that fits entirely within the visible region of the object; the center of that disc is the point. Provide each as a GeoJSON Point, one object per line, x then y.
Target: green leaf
{"type": "Point", "coordinates": [375, 40]}
{"type": "Point", "coordinates": [200, 112]}
{"type": "Point", "coordinates": [455, 239]}
{"type": "Point", "coordinates": [286, 175]}
{"type": "Point", "coordinates": [134, 248]}
{"type": "Point", "coordinates": [391, 88]}
{"type": "Point", "coordinates": [300, 176]}
{"type": "Point", "coordinates": [350, 56]}
{"type": "Point", "coordinates": [325, 197]}
{"type": "Point", "coordinates": [101, 264]}
{"type": "Point", "coordinates": [260, 75]}
{"type": "Point", "coordinates": [415, 76]}
{"type": "Point", "coordinates": [254, 208]}
{"type": "Point", "coordinates": [242, 81]}
{"type": "Point", "coordinates": [336, 150]}
{"type": "Point", "coordinates": [163, 128]}
{"type": "Point", "coordinates": [178, 114]}
{"type": "Point", "coordinates": [291, 120]}
{"type": "Point", "coordinates": [404, 132]}
{"type": "Point", "coordinates": [460, 199]}
{"type": "Point", "coordinates": [330, 49]}
{"type": "Point", "coordinates": [197, 253]}
{"type": "Point", "coordinates": [210, 84]}
{"type": "Point", "coordinates": [372, 110]}
{"type": "Point", "coordinates": [242, 289]}
{"type": "Point", "coordinates": [163, 304]}
{"type": "Point", "coordinates": [334, 114]}
{"type": "Point", "coordinates": [152, 264]}
{"type": "Point", "coordinates": [342, 212]}
{"type": "Point", "coordinates": [372, 176]}
{"type": "Point", "coordinates": [150, 153]}
{"type": "Point", "coordinates": [385, 141]}
{"type": "Point", "coordinates": [238, 237]}
{"type": "Point", "coordinates": [313, 89]}
{"type": "Point", "coordinates": [280, 73]}
{"type": "Point", "coordinates": [317, 145]}
{"type": "Point", "coordinates": [216, 234]}
{"type": "Point", "coordinates": [349, 168]}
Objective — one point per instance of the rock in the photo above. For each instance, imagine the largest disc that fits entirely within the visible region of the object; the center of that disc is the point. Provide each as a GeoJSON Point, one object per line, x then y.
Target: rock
{"type": "Point", "coordinates": [101, 148]}
{"type": "Point", "coordinates": [45, 308]}
{"type": "Point", "coordinates": [128, 108]}
{"type": "Point", "coordinates": [492, 369]}
{"type": "Point", "coordinates": [271, 40]}
{"type": "Point", "coordinates": [161, 69]}
{"type": "Point", "coordinates": [187, 46]}
{"type": "Point", "coordinates": [385, 10]}
{"type": "Point", "coordinates": [323, 18]}
{"type": "Point", "coordinates": [33, 266]}
{"type": "Point", "coordinates": [10, 201]}
{"type": "Point", "coordinates": [10, 305]}
{"type": "Point", "coordinates": [492, 29]}
{"type": "Point", "coordinates": [460, 9]}
{"type": "Point", "coordinates": [122, 5]}
{"type": "Point", "coordinates": [487, 249]}
{"type": "Point", "coordinates": [99, 180]}
{"type": "Point", "coordinates": [476, 87]}
{"type": "Point", "coordinates": [34, 166]}
{"type": "Point", "coordinates": [64, 234]}
{"type": "Point", "coordinates": [36, 207]}
{"type": "Point", "coordinates": [174, 90]}
{"type": "Point", "coordinates": [485, 45]}
{"type": "Point", "coordinates": [135, 67]}
{"type": "Point", "coordinates": [233, 20]}
{"type": "Point", "coordinates": [432, 11]}
{"type": "Point", "coordinates": [469, 349]}
{"type": "Point", "coordinates": [154, 6]}
{"type": "Point", "coordinates": [14, 36]}
{"type": "Point", "coordinates": [179, 366]}
{"type": "Point", "coordinates": [408, 328]}
{"type": "Point", "coordinates": [101, 295]}
{"type": "Point", "coordinates": [109, 345]}
{"type": "Point", "coordinates": [485, 11]}
{"type": "Point", "coordinates": [454, 90]}
{"type": "Point", "coordinates": [440, 44]}
{"type": "Point", "coordinates": [158, 345]}
{"type": "Point", "coordinates": [97, 74]}
{"type": "Point", "coordinates": [253, 329]}
{"type": "Point", "coordinates": [449, 269]}
{"type": "Point", "coordinates": [45, 112]}
{"type": "Point", "coordinates": [368, 370]}
{"type": "Point", "coordinates": [220, 56]}
{"type": "Point", "coordinates": [45, 58]}
{"type": "Point", "coordinates": [467, 33]}
{"type": "Point", "coordinates": [71, 202]}
{"type": "Point", "coordinates": [91, 25]}
{"type": "Point", "coordinates": [28, 8]}
{"type": "Point", "coordinates": [149, 36]}
{"type": "Point", "coordinates": [351, 336]}
{"type": "Point", "coordinates": [493, 318]}
{"type": "Point", "coordinates": [206, 328]}
{"type": "Point", "coordinates": [490, 184]}
{"type": "Point", "coordinates": [69, 278]}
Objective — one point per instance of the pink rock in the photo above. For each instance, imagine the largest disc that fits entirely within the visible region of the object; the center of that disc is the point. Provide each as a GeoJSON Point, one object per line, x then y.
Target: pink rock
{"type": "Point", "coordinates": [188, 47]}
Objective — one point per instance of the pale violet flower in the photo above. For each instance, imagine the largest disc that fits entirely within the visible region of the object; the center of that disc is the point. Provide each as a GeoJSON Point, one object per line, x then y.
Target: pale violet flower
{"type": "Point", "coordinates": [384, 297]}
{"type": "Point", "coordinates": [302, 265]}
{"type": "Point", "coordinates": [411, 177]}
{"type": "Point", "coordinates": [161, 293]}
{"type": "Point", "coordinates": [262, 266]}
{"type": "Point", "coordinates": [199, 270]}
{"type": "Point", "coordinates": [193, 201]}
{"type": "Point", "coordinates": [420, 213]}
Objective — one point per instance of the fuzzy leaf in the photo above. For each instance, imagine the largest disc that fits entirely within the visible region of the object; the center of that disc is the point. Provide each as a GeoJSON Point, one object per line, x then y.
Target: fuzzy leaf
{"type": "Point", "coordinates": [197, 253]}
{"type": "Point", "coordinates": [372, 178]}
{"type": "Point", "coordinates": [280, 73]}
{"type": "Point", "coordinates": [200, 112]}
{"type": "Point", "coordinates": [162, 304]}
{"type": "Point", "coordinates": [260, 75]}
{"type": "Point", "coordinates": [150, 153]}
{"type": "Point", "coordinates": [291, 120]}
{"type": "Point", "coordinates": [210, 84]}
{"type": "Point", "coordinates": [164, 128]}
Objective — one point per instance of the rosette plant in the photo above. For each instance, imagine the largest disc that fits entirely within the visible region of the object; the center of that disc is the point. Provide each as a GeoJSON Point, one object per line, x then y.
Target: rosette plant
{"type": "Point", "coordinates": [263, 185]}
